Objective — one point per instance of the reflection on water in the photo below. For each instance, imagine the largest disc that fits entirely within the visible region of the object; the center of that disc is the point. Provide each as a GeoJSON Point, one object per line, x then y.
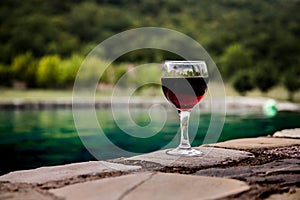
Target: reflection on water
{"type": "Point", "coordinates": [35, 138]}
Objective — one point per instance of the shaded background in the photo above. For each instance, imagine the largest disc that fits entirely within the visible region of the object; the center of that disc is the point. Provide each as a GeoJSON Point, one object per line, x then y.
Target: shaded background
{"type": "Point", "coordinates": [254, 43]}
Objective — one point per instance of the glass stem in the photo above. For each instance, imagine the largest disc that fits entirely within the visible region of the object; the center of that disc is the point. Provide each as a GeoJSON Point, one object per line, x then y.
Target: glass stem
{"type": "Point", "coordinates": [184, 129]}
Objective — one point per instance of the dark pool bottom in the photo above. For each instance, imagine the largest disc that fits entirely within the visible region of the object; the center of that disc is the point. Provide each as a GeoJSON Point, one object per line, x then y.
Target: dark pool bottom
{"type": "Point", "coordinates": [30, 139]}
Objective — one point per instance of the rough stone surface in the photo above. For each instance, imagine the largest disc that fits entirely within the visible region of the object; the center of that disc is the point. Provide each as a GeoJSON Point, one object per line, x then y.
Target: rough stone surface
{"type": "Point", "coordinates": [212, 156]}
{"type": "Point", "coordinates": [279, 176]}
{"type": "Point", "coordinates": [274, 172]}
{"type": "Point", "coordinates": [288, 133]}
{"type": "Point", "coordinates": [55, 173]}
{"type": "Point", "coordinates": [291, 195]}
{"type": "Point", "coordinates": [291, 152]}
{"type": "Point", "coordinates": [23, 191]}
{"type": "Point", "coordinates": [26, 194]}
{"type": "Point", "coordinates": [275, 177]}
{"type": "Point", "coordinates": [256, 143]}
{"type": "Point", "coordinates": [153, 186]}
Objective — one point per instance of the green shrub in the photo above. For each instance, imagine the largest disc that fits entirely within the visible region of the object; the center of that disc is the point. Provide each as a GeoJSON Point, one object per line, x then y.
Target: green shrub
{"type": "Point", "coordinates": [235, 57]}
{"type": "Point", "coordinates": [291, 81]}
{"type": "Point", "coordinates": [108, 75]}
{"type": "Point", "coordinates": [48, 71]}
{"type": "Point", "coordinates": [120, 70]}
{"type": "Point", "coordinates": [68, 69]}
{"type": "Point", "coordinates": [145, 76]}
{"type": "Point", "coordinates": [24, 68]}
{"type": "Point", "coordinates": [242, 82]}
{"type": "Point", "coordinates": [265, 76]}
{"type": "Point", "coordinates": [5, 75]}
{"type": "Point", "coordinates": [92, 69]}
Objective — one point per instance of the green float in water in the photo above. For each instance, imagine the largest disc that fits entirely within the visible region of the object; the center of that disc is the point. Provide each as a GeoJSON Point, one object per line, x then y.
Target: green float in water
{"type": "Point", "coordinates": [270, 108]}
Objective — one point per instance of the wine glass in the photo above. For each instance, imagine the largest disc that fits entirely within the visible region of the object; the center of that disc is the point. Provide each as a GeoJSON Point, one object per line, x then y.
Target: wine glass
{"type": "Point", "coordinates": [184, 84]}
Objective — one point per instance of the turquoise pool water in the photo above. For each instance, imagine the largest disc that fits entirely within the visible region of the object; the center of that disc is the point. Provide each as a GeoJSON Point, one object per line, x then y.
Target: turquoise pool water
{"type": "Point", "coordinates": [33, 138]}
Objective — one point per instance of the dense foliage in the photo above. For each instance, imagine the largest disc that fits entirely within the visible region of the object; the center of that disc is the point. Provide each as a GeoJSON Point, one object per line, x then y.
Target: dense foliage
{"type": "Point", "coordinates": [39, 36]}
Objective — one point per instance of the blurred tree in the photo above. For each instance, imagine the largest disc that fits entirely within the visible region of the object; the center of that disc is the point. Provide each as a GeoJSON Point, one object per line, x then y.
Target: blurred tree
{"type": "Point", "coordinates": [108, 75]}
{"type": "Point", "coordinates": [64, 44]}
{"type": "Point", "coordinates": [91, 70]}
{"type": "Point", "coordinates": [96, 22]}
{"type": "Point", "coordinates": [5, 75]}
{"type": "Point", "coordinates": [235, 58]}
{"type": "Point", "coordinates": [24, 68]}
{"type": "Point", "coordinates": [47, 73]}
{"type": "Point", "coordinates": [235, 33]}
{"type": "Point", "coordinates": [119, 72]}
{"type": "Point", "coordinates": [291, 81]}
{"type": "Point", "coordinates": [144, 76]}
{"type": "Point", "coordinates": [264, 76]}
{"type": "Point", "coordinates": [242, 82]}
{"type": "Point", "coordinates": [68, 69]}
{"type": "Point", "coordinates": [33, 33]}
{"type": "Point", "coordinates": [83, 20]}
{"type": "Point", "coordinates": [284, 53]}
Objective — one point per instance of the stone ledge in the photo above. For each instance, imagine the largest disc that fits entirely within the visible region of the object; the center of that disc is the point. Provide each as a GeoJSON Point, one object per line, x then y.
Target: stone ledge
{"type": "Point", "coordinates": [256, 143]}
{"type": "Point", "coordinates": [11, 191]}
{"type": "Point", "coordinates": [153, 186]}
{"type": "Point", "coordinates": [59, 173]}
{"type": "Point", "coordinates": [288, 133]}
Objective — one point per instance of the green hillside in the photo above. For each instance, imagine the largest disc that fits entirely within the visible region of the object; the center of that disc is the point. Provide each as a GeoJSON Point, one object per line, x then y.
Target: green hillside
{"type": "Point", "coordinates": [255, 39]}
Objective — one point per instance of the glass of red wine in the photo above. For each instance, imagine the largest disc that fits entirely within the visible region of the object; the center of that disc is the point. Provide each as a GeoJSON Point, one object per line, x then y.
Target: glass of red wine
{"type": "Point", "coordinates": [184, 84]}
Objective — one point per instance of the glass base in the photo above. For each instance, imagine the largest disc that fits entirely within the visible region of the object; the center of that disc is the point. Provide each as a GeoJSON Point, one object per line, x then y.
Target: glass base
{"type": "Point", "coordinates": [184, 152]}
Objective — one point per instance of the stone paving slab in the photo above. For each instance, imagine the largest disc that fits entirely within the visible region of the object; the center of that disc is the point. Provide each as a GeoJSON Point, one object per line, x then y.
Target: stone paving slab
{"type": "Point", "coordinates": [288, 133]}
{"type": "Point", "coordinates": [153, 186]}
{"type": "Point", "coordinates": [256, 143]}
{"type": "Point", "coordinates": [212, 156]}
{"type": "Point", "coordinates": [108, 188]}
{"type": "Point", "coordinates": [56, 173]}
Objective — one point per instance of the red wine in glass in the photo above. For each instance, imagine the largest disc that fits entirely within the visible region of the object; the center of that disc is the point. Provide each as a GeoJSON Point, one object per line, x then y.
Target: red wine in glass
{"type": "Point", "coordinates": [184, 92]}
